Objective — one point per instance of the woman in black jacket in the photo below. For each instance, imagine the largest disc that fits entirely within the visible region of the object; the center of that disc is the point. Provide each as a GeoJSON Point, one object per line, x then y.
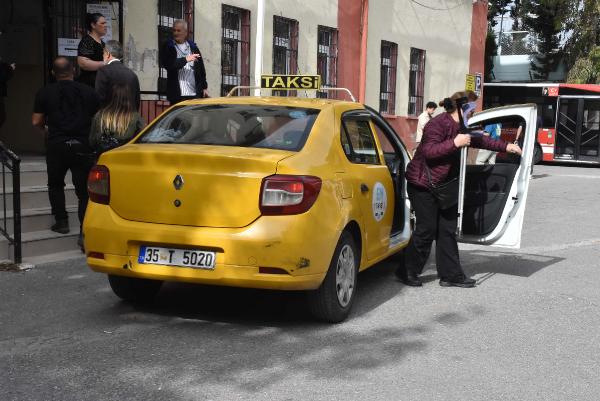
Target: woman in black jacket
{"type": "Point", "coordinates": [186, 75]}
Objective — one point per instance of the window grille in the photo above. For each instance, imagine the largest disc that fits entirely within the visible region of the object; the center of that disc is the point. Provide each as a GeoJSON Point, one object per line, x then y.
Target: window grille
{"type": "Point", "coordinates": [327, 53]}
{"type": "Point", "coordinates": [387, 95]}
{"type": "Point", "coordinates": [285, 49]}
{"type": "Point", "coordinates": [235, 49]}
{"type": "Point", "coordinates": [416, 81]}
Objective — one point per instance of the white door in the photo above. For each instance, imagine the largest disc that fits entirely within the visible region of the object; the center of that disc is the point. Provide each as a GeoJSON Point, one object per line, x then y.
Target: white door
{"type": "Point", "coordinates": [494, 185]}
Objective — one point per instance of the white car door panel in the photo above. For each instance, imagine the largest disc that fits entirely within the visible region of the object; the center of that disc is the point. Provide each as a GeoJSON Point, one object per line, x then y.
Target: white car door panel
{"type": "Point", "coordinates": [493, 194]}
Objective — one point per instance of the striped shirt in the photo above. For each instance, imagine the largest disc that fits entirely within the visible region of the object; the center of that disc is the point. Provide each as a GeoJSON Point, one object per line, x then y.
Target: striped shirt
{"type": "Point", "coordinates": [187, 81]}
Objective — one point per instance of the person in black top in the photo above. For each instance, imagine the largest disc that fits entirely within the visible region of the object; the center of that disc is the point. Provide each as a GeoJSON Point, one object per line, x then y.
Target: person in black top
{"type": "Point", "coordinates": [91, 49]}
{"type": "Point", "coordinates": [186, 75]}
{"type": "Point", "coordinates": [63, 111]}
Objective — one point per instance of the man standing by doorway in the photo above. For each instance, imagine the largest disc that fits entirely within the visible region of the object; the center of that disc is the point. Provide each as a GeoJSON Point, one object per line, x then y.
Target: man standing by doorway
{"type": "Point", "coordinates": [424, 118]}
{"type": "Point", "coordinates": [63, 111]}
{"type": "Point", "coordinates": [115, 72]}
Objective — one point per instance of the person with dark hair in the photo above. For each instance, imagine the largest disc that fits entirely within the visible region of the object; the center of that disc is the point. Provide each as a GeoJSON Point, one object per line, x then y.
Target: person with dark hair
{"type": "Point", "coordinates": [424, 118]}
{"type": "Point", "coordinates": [91, 48]}
{"type": "Point", "coordinates": [63, 112]}
{"type": "Point", "coordinates": [186, 75]}
{"type": "Point", "coordinates": [436, 162]}
{"type": "Point", "coordinates": [117, 122]}
{"type": "Point", "coordinates": [115, 72]}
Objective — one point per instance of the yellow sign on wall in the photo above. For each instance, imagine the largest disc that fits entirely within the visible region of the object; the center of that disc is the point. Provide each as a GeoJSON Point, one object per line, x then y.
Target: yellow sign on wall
{"type": "Point", "coordinates": [470, 82]}
{"type": "Point", "coordinates": [290, 81]}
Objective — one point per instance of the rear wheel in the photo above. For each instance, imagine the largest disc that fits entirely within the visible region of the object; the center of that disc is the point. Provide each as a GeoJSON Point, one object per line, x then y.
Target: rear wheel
{"type": "Point", "coordinates": [333, 301]}
{"type": "Point", "coordinates": [134, 289]}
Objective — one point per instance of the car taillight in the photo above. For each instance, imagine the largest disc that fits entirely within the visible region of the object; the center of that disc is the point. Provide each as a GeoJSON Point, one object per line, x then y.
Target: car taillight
{"type": "Point", "coordinates": [99, 184]}
{"type": "Point", "coordinates": [288, 194]}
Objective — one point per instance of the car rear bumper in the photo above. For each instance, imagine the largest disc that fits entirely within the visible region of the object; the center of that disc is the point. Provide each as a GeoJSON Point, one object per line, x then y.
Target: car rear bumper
{"type": "Point", "coordinates": [296, 253]}
{"type": "Point", "coordinates": [226, 275]}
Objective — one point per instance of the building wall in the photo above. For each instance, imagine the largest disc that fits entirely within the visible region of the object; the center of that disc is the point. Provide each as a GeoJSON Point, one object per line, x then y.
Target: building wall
{"type": "Point", "coordinates": [445, 35]}
{"type": "Point", "coordinates": [140, 24]}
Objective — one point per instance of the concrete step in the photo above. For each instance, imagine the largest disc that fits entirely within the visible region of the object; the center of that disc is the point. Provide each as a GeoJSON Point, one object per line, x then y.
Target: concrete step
{"type": "Point", "coordinates": [40, 243]}
{"type": "Point", "coordinates": [34, 197]}
{"type": "Point", "coordinates": [32, 174]}
{"type": "Point", "coordinates": [40, 219]}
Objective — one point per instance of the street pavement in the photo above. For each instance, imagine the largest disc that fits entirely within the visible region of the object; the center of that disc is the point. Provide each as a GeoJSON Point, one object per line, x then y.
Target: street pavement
{"type": "Point", "coordinates": [529, 331]}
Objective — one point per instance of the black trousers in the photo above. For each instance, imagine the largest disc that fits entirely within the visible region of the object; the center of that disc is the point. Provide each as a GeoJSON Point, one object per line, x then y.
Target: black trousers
{"type": "Point", "coordinates": [432, 223]}
{"type": "Point", "coordinates": [60, 157]}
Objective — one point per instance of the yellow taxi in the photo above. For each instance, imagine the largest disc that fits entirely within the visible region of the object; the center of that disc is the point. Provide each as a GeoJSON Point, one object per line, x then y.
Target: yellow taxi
{"type": "Point", "coordinates": [260, 192]}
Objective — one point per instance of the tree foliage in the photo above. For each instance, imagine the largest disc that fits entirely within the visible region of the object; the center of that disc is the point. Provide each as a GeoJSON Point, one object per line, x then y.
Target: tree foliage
{"type": "Point", "coordinates": [546, 18]}
{"type": "Point", "coordinates": [586, 70]}
{"type": "Point", "coordinates": [583, 26]}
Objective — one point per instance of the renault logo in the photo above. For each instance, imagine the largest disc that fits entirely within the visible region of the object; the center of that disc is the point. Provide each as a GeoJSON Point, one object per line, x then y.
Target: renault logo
{"type": "Point", "coordinates": [178, 182]}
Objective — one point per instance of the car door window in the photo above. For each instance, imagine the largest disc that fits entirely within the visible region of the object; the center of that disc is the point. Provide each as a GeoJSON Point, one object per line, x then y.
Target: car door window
{"type": "Point", "coordinates": [490, 175]}
{"type": "Point", "coordinates": [358, 142]}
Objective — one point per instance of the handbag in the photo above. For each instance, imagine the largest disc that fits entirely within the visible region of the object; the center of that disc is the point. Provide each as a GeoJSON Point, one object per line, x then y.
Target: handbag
{"type": "Point", "coordinates": [107, 142]}
{"type": "Point", "coordinates": [446, 194]}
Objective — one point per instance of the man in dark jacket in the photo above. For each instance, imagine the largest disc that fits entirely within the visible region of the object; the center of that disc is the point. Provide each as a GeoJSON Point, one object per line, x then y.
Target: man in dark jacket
{"type": "Point", "coordinates": [186, 75]}
{"type": "Point", "coordinates": [115, 72]}
{"type": "Point", "coordinates": [63, 112]}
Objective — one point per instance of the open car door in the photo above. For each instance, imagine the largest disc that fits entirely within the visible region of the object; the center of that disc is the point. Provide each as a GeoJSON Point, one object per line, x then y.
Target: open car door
{"type": "Point", "coordinates": [494, 185]}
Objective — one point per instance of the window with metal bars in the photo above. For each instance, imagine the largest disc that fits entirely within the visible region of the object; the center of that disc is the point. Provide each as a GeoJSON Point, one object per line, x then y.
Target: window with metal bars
{"type": "Point", "coordinates": [327, 53]}
{"type": "Point", "coordinates": [387, 88]}
{"type": "Point", "coordinates": [285, 49]}
{"type": "Point", "coordinates": [416, 82]}
{"type": "Point", "coordinates": [168, 12]}
{"type": "Point", "coordinates": [235, 49]}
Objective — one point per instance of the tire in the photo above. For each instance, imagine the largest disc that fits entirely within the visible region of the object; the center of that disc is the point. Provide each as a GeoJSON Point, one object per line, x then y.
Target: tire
{"type": "Point", "coordinates": [538, 153]}
{"type": "Point", "coordinates": [333, 301]}
{"type": "Point", "coordinates": [137, 290]}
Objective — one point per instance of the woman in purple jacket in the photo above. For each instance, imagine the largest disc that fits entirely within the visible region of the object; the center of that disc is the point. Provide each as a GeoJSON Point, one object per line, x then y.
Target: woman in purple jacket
{"type": "Point", "coordinates": [439, 152]}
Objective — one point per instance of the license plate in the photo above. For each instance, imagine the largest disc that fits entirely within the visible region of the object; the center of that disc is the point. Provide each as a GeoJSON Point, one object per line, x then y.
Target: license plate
{"type": "Point", "coordinates": [177, 257]}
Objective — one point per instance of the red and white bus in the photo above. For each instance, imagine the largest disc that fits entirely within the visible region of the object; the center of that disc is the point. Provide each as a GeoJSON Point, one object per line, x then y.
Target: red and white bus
{"type": "Point", "coordinates": [568, 123]}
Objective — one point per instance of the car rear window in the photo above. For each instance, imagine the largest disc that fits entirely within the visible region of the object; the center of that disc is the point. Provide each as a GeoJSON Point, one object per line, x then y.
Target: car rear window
{"type": "Point", "coordinates": [272, 127]}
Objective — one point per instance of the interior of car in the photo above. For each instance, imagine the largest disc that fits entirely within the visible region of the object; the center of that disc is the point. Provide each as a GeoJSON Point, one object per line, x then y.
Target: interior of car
{"type": "Point", "coordinates": [489, 179]}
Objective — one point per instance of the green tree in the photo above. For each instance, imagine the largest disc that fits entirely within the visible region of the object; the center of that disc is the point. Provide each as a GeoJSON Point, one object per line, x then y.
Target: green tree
{"type": "Point", "coordinates": [546, 18]}
{"type": "Point", "coordinates": [583, 28]}
{"type": "Point", "coordinates": [586, 70]}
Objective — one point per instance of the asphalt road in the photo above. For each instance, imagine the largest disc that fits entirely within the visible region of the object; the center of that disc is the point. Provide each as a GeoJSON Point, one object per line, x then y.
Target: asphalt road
{"type": "Point", "coordinates": [529, 331]}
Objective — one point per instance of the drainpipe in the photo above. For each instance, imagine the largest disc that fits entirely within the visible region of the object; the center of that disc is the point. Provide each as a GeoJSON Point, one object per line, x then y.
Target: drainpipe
{"type": "Point", "coordinates": [364, 29]}
{"type": "Point", "coordinates": [258, 55]}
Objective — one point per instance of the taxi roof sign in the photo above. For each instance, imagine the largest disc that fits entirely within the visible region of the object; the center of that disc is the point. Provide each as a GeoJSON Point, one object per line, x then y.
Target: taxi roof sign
{"type": "Point", "coordinates": [290, 82]}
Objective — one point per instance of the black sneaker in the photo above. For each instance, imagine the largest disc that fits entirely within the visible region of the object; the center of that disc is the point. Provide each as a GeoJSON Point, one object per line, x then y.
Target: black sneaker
{"type": "Point", "coordinates": [465, 282]}
{"type": "Point", "coordinates": [61, 226]}
{"type": "Point", "coordinates": [406, 278]}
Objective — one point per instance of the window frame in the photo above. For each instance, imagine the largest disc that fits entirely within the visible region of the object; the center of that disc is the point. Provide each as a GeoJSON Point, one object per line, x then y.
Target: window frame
{"type": "Point", "coordinates": [290, 48]}
{"type": "Point", "coordinates": [327, 60]}
{"type": "Point", "coordinates": [416, 81]}
{"type": "Point", "coordinates": [352, 158]}
{"type": "Point", "coordinates": [240, 42]}
{"type": "Point", "coordinates": [388, 78]}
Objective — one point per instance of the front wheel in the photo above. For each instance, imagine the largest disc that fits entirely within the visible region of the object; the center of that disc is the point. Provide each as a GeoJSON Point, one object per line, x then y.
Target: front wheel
{"type": "Point", "coordinates": [131, 289]}
{"type": "Point", "coordinates": [333, 300]}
